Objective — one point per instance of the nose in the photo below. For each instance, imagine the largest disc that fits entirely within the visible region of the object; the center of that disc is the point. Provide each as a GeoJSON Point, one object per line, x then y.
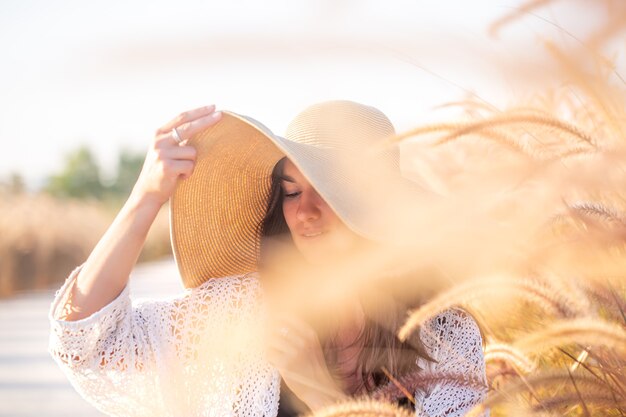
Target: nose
{"type": "Point", "coordinates": [309, 207]}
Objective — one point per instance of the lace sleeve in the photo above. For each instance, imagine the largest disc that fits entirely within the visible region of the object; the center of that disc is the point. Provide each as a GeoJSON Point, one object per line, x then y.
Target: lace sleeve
{"type": "Point", "coordinates": [105, 356]}
{"type": "Point", "coordinates": [453, 339]}
{"type": "Point", "coordinates": [185, 355]}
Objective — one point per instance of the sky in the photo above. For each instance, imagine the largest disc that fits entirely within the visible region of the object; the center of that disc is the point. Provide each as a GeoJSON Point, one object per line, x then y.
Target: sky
{"type": "Point", "coordinates": [108, 74]}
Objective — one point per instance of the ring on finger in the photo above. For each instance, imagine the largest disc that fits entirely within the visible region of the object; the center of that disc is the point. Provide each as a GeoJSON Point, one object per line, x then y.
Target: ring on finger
{"type": "Point", "coordinates": [176, 136]}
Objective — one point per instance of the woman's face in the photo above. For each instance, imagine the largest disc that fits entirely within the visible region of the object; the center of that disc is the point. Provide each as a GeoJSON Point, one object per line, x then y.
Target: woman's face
{"type": "Point", "coordinates": [315, 228]}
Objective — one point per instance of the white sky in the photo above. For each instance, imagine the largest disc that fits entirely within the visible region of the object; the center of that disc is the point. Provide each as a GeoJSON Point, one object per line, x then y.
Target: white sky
{"type": "Point", "coordinates": [107, 74]}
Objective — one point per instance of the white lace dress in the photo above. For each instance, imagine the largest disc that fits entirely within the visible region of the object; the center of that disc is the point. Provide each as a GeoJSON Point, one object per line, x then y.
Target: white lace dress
{"type": "Point", "coordinates": [195, 354]}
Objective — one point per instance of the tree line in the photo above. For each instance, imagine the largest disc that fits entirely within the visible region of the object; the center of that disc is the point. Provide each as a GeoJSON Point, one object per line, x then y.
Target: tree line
{"type": "Point", "coordinates": [81, 178]}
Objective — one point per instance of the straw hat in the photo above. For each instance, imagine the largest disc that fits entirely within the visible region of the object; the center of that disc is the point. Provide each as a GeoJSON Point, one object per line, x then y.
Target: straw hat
{"type": "Point", "coordinates": [215, 214]}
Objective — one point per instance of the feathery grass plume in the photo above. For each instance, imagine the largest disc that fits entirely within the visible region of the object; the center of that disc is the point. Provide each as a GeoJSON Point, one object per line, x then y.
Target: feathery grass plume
{"type": "Point", "coordinates": [582, 164]}
{"type": "Point", "coordinates": [570, 285]}
{"type": "Point", "coordinates": [421, 380]}
{"type": "Point", "coordinates": [420, 131]}
{"type": "Point", "coordinates": [617, 386]}
{"type": "Point", "coordinates": [597, 91]}
{"type": "Point", "coordinates": [507, 140]}
{"type": "Point", "coordinates": [600, 221]}
{"type": "Point", "coordinates": [512, 119]}
{"type": "Point", "coordinates": [603, 295]}
{"type": "Point", "coordinates": [509, 354]}
{"type": "Point", "coordinates": [612, 27]}
{"type": "Point", "coordinates": [471, 106]}
{"type": "Point", "coordinates": [569, 153]}
{"type": "Point", "coordinates": [541, 384]}
{"type": "Point", "coordinates": [519, 12]}
{"type": "Point", "coordinates": [463, 294]}
{"type": "Point", "coordinates": [619, 301]}
{"type": "Point", "coordinates": [597, 222]}
{"type": "Point", "coordinates": [527, 119]}
{"type": "Point", "coordinates": [525, 412]}
{"type": "Point", "coordinates": [602, 212]}
{"type": "Point", "coordinates": [586, 331]}
{"type": "Point", "coordinates": [597, 400]}
{"type": "Point", "coordinates": [362, 407]}
{"type": "Point", "coordinates": [512, 142]}
{"type": "Point", "coordinates": [615, 10]}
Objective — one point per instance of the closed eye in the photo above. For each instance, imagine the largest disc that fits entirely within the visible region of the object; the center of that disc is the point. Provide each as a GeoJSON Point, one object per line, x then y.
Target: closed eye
{"type": "Point", "coordinates": [291, 195]}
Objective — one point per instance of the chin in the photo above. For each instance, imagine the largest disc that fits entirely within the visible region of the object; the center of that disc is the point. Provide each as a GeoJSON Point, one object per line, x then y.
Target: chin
{"type": "Point", "coordinates": [321, 255]}
{"type": "Point", "coordinates": [325, 249]}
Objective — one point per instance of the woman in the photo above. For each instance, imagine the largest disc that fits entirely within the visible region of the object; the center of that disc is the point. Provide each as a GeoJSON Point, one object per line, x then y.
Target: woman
{"type": "Point", "coordinates": [317, 192]}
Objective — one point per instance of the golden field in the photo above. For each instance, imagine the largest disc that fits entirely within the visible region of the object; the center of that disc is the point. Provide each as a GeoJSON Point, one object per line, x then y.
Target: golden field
{"type": "Point", "coordinates": [524, 220]}
{"type": "Point", "coordinates": [43, 238]}
{"type": "Point", "coordinates": [527, 231]}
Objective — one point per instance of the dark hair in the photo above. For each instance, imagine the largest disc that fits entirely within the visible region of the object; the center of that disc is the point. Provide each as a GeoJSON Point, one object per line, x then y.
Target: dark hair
{"type": "Point", "coordinates": [273, 224]}
{"type": "Point", "coordinates": [380, 346]}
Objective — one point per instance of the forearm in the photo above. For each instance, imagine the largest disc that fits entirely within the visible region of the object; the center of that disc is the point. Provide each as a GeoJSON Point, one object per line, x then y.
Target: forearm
{"type": "Point", "coordinates": [106, 271]}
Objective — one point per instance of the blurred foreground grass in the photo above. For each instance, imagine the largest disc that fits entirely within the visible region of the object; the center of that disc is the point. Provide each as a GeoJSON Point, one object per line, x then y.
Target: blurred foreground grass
{"type": "Point", "coordinates": [529, 228]}
{"type": "Point", "coordinates": [530, 232]}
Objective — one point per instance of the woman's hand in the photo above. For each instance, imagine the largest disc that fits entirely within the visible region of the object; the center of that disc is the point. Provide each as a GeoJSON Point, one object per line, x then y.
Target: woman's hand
{"type": "Point", "coordinates": [294, 349]}
{"type": "Point", "coordinates": [105, 273]}
{"type": "Point", "coordinates": [168, 160]}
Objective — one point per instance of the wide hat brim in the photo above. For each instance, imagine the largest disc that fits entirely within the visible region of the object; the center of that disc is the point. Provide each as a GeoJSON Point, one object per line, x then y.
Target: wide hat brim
{"type": "Point", "coordinates": [216, 213]}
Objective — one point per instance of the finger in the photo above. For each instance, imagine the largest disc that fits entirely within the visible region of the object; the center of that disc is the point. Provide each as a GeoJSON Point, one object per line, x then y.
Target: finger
{"type": "Point", "coordinates": [282, 348]}
{"type": "Point", "coordinates": [282, 337]}
{"type": "Point", "coordinates": [277, 359]}
{"type": "Point", "coordinates": [281, 330]}
{"type": "Point", "coordinates": [284, 334]}
{"type": "Point", "coordinates": [296, 327]}
{"type": "Point", "coordinates": [187, 130]}
{"type": "Point", "coordinates": [183, 153]}
{"type": "Point", "coordinates": [181, 168]}
{"type": "Point", "coordinates": [186, 117]}
{"type": "Point", "coordinates": [293, 342]}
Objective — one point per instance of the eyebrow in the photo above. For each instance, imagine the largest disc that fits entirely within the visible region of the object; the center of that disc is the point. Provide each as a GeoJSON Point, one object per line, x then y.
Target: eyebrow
{"type": "Point", "coordinates": [287, 178]}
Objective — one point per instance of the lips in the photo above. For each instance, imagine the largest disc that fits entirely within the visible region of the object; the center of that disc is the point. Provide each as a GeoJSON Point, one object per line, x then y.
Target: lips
{"type": "Point", "coordinates": [312, 234]}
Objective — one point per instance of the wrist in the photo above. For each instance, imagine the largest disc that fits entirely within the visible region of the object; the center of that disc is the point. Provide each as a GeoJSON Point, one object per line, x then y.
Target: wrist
{"type": "Point", "coordinates": [318, 399]}
{"type": "Point", "coordinates": [141, 206]}
{"type": "Point", "coordinates": [145, 201]}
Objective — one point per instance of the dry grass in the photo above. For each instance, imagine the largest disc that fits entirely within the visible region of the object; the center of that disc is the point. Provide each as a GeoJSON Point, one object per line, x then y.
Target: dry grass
{"type": "Point", "coordinates": [525, 206]}
{"type": "Point", "coordinates": [42, 239]}
{"type": "Point", "coordinates": [528, 231]}
{"type": "Point", "coordinates": [567, 314]}
{"type": "Point", "coordinates": [362, 408]}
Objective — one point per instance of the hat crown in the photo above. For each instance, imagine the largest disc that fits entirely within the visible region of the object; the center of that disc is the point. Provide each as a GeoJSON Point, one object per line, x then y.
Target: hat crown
{"type": "Point", "coordinates": [339, 124]}
{"type": "Point", "coordinates": [216, 213]}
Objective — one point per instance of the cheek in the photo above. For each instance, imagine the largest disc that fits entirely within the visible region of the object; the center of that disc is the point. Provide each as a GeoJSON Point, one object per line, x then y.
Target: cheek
{"type": "Point", "coordinates": [289, 212]}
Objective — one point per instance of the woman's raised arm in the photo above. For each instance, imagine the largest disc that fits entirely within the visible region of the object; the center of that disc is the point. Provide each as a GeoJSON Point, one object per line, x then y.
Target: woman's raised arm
{"type": "Point", "coordinates": [105, 273]}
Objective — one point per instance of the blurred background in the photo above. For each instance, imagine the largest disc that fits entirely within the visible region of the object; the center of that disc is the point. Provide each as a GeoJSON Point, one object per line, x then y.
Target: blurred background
{"type": "Point", "coordinates": [84, 85]}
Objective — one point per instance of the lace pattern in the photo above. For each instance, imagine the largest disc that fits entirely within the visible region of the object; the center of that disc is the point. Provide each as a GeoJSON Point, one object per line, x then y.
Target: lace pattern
{"type": "Point", "coordinates": [191, 355]}
{"type": "Point", "coordinates": [195, 354]}
{"type": "Point", "coordinates": [453, 339]}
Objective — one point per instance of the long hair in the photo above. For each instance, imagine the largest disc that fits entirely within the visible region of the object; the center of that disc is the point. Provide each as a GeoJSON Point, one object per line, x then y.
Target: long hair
{"type": "Point", "coordinates": [380, 349]}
